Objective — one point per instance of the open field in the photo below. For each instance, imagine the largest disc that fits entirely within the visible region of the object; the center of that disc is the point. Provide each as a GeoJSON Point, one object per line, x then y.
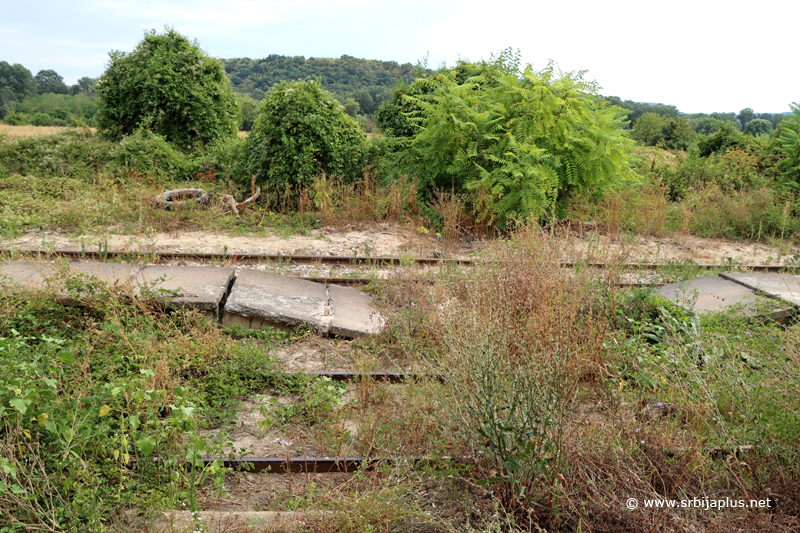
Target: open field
{"type": "Point", "coordinates": [28, 131]}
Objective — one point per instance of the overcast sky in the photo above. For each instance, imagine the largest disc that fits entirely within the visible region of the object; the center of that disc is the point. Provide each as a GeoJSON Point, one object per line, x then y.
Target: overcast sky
{"type": "Point", "coordinates": [700, 55]}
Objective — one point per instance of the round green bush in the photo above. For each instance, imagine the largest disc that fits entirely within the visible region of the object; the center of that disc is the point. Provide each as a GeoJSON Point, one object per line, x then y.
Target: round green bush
{"type": "Point", "coordinates": [300, 131]}
{"type": "Point", "coordinates": [169, 86]}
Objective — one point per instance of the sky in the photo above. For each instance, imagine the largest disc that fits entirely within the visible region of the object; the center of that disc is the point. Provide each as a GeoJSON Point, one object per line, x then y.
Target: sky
{"type": "Point", "coordinates": [701, 55]}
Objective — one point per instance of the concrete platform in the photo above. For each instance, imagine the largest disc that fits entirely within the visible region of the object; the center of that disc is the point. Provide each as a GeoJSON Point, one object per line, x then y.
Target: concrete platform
{"type": "Point", "coordinates": [260, 299]}
{"type": "Point", "coordinates": [784, 287]}
{"type": "Point", "coordinates": [202, 288]}
{"type": "Point", "coordinates": [713, 294]}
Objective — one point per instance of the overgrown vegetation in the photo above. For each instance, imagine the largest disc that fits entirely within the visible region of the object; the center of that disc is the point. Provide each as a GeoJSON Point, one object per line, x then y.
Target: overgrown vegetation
{"type": "Point", "coordinates": [300, 132]}
{"type": "Point", "coordinates": [108, 394]}
{"type": "Point", "coordinates": [169, 86]}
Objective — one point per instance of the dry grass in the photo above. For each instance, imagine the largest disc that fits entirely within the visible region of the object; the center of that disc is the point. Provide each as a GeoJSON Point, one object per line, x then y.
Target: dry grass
{"type": "Point", "coordinates": [30, 131]}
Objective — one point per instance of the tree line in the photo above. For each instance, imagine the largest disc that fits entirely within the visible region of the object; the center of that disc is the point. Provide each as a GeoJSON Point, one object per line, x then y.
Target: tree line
{"type": "Point", "coordinates": [44, 99]}
{"type": "Point", "coordinates": [664, 125]}
{"type": "Point", "coordinates": [362, 86]}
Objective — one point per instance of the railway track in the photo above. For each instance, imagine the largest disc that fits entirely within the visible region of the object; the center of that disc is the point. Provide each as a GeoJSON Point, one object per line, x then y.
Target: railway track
{"type": "Point", "coordinates": [249, 259]}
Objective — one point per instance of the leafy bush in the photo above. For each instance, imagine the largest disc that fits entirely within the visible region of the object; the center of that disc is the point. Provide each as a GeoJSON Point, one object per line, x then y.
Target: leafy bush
{"type": "Point", "coordinates": [669, 132]}
{"type": "Point", "coordinates": [149, 154]}
{"type": "Point", "coordinates": [76, 154]}
{"type": "Point", "coordinates": [727, 137]}
{"type": "Point", "coordinates": [787, 143]}
{"type": "Point", "coordinates": [522, 141]}
{"type": "Point", "coordinates": [758, 126]}
{"type": "Point", "coordinates": [301, 130]}
{"type": "Point", "coordinates": [733, 170]}
{"type": "Point", "coordinates": [170, 86]}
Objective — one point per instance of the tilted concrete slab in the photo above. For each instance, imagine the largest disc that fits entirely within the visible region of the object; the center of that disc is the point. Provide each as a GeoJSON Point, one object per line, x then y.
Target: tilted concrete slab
{"type": "Point", "coordinates": [200, 288]}
{"type": "Point", "coordinates": [260, 299]}
{"type": "Point", "coordinates": [353, 315]}
{"type": "Point", "coordinates": [254, 299]}
{"type": "Point", "coordinates": [713, 294]}
{"type": "Point", "coordinates": [784, 287]}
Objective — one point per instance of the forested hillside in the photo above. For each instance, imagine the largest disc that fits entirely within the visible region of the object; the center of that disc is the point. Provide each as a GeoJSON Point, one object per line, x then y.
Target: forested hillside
{"type": "Point", "coordinates": [361, 85]}
{"type": "Point", "coordinates": [366, 81]}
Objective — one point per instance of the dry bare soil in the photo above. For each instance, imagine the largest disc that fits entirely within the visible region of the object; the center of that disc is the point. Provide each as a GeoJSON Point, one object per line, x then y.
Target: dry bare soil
{"type": "Point", "coordinates": [382, 240]}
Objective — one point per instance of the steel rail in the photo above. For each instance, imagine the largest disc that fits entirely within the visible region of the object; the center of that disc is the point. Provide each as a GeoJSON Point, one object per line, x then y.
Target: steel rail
{"type": "Point", "coordinates": [243, 258]}
{"type": "Point", "coordinates": [383, 377]}
{"type": "Point", "coordinates": [247, 258]}
{"type": "Point", "coordinates": [317, 465]}
{"type": "Point", "coordinates": [332, 465]}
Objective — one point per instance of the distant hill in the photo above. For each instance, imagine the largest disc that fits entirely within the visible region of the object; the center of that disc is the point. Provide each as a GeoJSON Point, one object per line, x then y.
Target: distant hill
{"type": "Point", "coordinates": [346, 77]}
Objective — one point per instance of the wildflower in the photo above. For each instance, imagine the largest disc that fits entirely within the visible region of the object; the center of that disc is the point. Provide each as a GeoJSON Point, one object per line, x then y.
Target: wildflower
{"type": "Point", "coordinates": [747, 333]}
{"type": "Point", "coordinates": [642, 442]}
{"type": "Point", "coordinates": [660, 404]}
{"type": "Point", "coordinates": [637, 430]}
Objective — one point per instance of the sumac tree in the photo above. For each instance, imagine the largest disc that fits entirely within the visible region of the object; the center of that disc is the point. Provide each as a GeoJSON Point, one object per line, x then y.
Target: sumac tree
{"type": "Point", "coordinates": [787, 143]}
{"type": "Point", "coordinates": [522, 141]}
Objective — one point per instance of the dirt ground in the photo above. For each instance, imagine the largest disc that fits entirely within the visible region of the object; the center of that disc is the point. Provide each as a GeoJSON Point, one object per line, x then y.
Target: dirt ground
{"type": "Point", "coordinates": [382, 240]}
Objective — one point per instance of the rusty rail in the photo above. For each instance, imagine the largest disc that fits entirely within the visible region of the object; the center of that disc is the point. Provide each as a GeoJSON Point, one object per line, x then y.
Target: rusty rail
{"type": "Point", "coordinates": [246, 258]}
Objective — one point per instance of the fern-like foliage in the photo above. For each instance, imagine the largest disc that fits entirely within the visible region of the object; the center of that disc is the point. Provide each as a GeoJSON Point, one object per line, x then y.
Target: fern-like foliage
{"type": "Point", "coordinates": [529, 139]}
{"type": "Point", "coordinates": [787, 143]}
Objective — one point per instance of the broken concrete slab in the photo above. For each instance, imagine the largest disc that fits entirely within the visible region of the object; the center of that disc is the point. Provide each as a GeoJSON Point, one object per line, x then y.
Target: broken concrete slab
{"type": "Point", "coordinates": [784, 287]}
{"type": "Point", "coordinates": [713, 294]}
{"type": "Point", "coordinates": [353, 315]}
{"type": "Point", "coordinates": [261, 299]}
{"type": "Point", "coordinates": [710, 294]}
{"type": "Point", "coordinates": [202, 288]}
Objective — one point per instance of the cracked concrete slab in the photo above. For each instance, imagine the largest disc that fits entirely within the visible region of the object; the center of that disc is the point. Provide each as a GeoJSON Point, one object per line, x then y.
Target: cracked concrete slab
{"type": "Point", "coordinates": [202, 288]}
{"type": "Point", "coordinates": [261, 299]}
{"type": "Point", "coordinates": [253, 299]}
{"type": "Point", "coordinates": [353, 315]}
{"type": "Point", "coordinates": [784, 287]}
{"type": "Point", "coordinates": [713, 294]}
